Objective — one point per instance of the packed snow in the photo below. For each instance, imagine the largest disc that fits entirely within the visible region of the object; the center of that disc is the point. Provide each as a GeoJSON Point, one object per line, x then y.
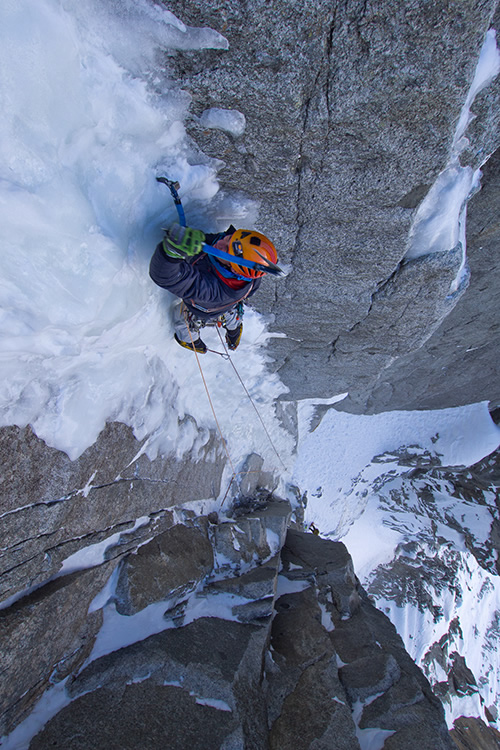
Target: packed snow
{"type": "Point", "coordinates": [224, 119]}
{"type": "Point", "coordinates": [88, 123]}
{"type": "Point", "coordinates": [369, 739]}
{"type": "Point", "coordinates": [335, 460]}
{"type": "Point", "coordinates": [90, 118]}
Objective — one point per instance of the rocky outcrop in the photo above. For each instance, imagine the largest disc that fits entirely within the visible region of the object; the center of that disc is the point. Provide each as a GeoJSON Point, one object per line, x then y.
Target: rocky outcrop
{"type": "Point", "coordinates": [248, 635]}
{"type": "Point", "coordinates": [198, 681]}
{"type": "Point", "coordinates": [65, 527]}
{"type": "Point", "coordinates": [472, 734]}
{"type": "Point", "coordinates": [284, 651]}
{"type": "Point", "coordinates": [330, 642]}
{"type": "Point", "coordinates": [350, 114]}
{"type": "Point", "coordinates": [53, 507]}
{"type": "Point", "coordinates": [458, 363]}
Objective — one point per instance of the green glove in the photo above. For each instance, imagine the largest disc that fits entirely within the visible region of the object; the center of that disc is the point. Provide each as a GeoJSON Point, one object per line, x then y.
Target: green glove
{"type": "Point", "coordinates": [183, 242]}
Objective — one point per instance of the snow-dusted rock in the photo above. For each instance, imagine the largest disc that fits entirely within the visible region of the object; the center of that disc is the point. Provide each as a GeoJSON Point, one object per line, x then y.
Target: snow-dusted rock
{"type": "Point", "coordinates": [170, 565]}
{"type": "Point", "coordinates": [341, 663]}
{"type": "Point", "coordinates": [196, 686]}
{"type": "Point", "coordinates": [253, 477]}
{"type": "Point", "coordinates": [256, 535]}
{"type": "Point", "coordinates": [62, 522]}
{"type": "Point", "coordinates": [307, 704]}
{"type": "Point", "coordinates": [324, 672]}
{"type": "Point", "coordinates": [257, 583]}
{"type": "Point", "coordinates": [331, 565]}
{"type": "Point", "coordinates": [46, 637]}
{"type": "Point", "coordinates": [458, 364]}
{"type": "Point", "coordinates": [54, 507]}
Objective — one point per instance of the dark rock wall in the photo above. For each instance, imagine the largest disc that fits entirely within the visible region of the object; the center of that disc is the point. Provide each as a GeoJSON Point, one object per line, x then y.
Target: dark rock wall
{"type": "Point", "coordinates": [306, 670]}
{"type": "Point", "coordinates": [52, 508]}
{"type": "Point", "coordinates": [373, 675]}
{"type": "Point", "coordinates": [460, 361]}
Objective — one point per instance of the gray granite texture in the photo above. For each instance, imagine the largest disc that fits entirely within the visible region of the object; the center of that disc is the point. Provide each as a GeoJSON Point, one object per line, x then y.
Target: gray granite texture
{"type": "Point", "coordinates": [351, 109]}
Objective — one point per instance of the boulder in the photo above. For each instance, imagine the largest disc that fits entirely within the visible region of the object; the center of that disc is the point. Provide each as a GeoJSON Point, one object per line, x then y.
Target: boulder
{"type": "Point", "coordinates": [194, 686]}
{"type": "Point", "coordinates": [170, 565]}
{"type": "Point", "coordinates": [254, 535]}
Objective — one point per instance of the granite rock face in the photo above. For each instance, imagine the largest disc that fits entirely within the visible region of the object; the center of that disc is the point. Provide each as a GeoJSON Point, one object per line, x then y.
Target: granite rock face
{"type": "Point", "coordinates": [53, 507]}
{"type": "Point", "coordinates": [350, 111]}
{"type": "Point", "coordinates": [350, 115]}
{"type": "Point", "coordinates": [292, 675]}
{"type": "Point", "coordinates": [45, 637]}
{"type": "Point", "coordinates": [471, 734]}
{"type": "Point", "coordinates": [373, 674]}
{"type": "Point", "coordinates": [65, 527]}
{"type": "Point", "coordinates": [462, 352]}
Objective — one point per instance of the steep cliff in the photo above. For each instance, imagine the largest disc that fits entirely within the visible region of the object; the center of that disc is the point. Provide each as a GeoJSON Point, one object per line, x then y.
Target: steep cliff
{"type": "Point", "coordinates": [458, 362]}
{"type": "Point", "coordinates": [121, 576]}
{"type": "Point", "coordinates": [351, 112]}
{"type": "Point", "coordinates": [223, 634]}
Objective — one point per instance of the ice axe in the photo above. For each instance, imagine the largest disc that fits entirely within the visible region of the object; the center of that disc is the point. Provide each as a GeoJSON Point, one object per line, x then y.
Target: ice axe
{"type": "Point", "coordinates": [266, 266]}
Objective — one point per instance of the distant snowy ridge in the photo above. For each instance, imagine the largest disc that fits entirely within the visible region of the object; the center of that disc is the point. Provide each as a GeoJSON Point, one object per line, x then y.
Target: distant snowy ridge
{"type": "Point", "coordinates": [421, 550]}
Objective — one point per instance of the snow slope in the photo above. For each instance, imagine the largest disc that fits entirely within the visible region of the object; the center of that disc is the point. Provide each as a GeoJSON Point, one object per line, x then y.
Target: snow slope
{"type": "Point", "coordinates": [87, 124]}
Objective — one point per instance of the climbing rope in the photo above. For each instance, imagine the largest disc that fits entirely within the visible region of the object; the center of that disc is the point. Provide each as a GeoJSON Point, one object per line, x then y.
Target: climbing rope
{"type": "Point", "coordinates": [234, 472]}
{"type": "Point", "coordinates": [209, 398]}
{"type": "Point", "coordinates": [250, 399]}
{"type": "Point", "coordinates": [226, 355]}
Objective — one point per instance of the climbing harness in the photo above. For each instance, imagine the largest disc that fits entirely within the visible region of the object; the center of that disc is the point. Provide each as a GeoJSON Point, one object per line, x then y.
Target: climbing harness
{"type": "Point", "coordinates": [188, 319]}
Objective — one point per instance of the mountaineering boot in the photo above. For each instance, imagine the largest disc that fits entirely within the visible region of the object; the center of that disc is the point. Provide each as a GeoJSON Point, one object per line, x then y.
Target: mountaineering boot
{"type": "Point", "coordinates": [198, 345]}
{"type": "Point", "coordinates": [233, 337]}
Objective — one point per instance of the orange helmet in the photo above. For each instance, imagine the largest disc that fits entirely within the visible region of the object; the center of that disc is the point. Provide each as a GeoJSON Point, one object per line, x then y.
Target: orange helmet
{"type": "Point", "coordinates": [251, 245]}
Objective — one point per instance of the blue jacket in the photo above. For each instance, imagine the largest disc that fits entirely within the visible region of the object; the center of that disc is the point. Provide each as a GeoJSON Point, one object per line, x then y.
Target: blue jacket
{"type": "Point", "coordinates": [197, 283]}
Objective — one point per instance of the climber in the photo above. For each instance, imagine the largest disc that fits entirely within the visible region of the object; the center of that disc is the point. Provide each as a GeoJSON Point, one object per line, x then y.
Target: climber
{"type": "Point", "coordinates": [212, 290]}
